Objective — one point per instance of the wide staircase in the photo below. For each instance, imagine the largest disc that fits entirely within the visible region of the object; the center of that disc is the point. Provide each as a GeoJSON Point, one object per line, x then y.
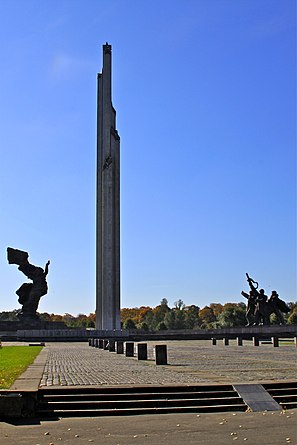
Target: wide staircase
{"type": "Point", "coordinates": [112, 401]}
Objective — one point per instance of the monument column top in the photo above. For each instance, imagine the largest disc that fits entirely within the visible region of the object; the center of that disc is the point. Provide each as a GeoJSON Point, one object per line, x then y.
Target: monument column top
{"type": "Point", "coordinates": [107, 48]}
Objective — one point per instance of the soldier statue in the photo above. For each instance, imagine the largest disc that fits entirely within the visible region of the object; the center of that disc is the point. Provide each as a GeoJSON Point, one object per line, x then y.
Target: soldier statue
{"type": "Point", "coordinates": [29, 293]}
{"type": "Point", "coordinates": [259, 307]}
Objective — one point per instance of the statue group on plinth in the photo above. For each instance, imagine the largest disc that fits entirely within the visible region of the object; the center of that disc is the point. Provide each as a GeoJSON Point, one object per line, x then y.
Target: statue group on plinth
{"type": "Point", "coordinates": [29, 293]}
{"type": "Point", "coordinates": [260, 307]}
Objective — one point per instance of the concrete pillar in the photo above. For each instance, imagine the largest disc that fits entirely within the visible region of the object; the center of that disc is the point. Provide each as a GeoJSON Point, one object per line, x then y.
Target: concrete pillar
{"type": "Point", "coordinates": [239, 341]}
{"type": "Point", "coordinates": [213, 341]}
{"type": "Point", "coordinates": [256, 341]}
{"type": "Point", "coordinates": [161, 354]}
{"type": "Point", "coordinates": [120, 347]}
{"type": "Point", "coordinates": [275, 342]}
{"type": "Point", "coordinates": [111, 346]}
{"type": "Point", "coordinates": [100, 343]}
{"type": "Point", "coordinates": [142, 351]}
{"type": "Point", "coordinates": [226, 341]}
{"type": "Point", "coordinates": [108, 204]}
{"type": "Point", "coordinates": [129, 349]}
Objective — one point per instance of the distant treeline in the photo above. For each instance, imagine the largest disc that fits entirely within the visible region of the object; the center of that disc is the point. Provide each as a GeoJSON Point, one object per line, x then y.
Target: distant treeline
{"type": "Point", "coordinates": [162, 317]}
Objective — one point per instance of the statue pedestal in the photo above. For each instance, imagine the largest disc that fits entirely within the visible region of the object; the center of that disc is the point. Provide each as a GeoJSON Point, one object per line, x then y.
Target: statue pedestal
{"type": "Point", "coordinates": [26, 323]}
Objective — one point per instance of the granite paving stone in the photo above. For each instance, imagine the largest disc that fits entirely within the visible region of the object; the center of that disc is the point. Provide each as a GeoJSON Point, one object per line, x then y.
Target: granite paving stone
{"type": "Point", "coordinates": [189, 362]}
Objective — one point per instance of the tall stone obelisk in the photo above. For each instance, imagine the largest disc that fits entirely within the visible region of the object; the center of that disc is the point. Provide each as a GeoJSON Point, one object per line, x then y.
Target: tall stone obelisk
{"type": "Point", "coordinates": [108, 204]}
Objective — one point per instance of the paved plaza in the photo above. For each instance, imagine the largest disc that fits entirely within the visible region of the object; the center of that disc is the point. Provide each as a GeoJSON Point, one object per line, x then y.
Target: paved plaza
{"type": "Point", "coordinates": [189, 362]}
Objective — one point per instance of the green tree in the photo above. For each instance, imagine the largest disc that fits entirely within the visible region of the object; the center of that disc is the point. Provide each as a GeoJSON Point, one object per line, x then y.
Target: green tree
{"type": "Point", "coordinates": [192, 320]}
{"type": "Point", "coordinates": [129, 324]}
{"type": "Point", "coordinates": [180, 322]}
{"type": "Point", "coordinates": [162, 326]}
{"type": "Point", "coordinates": [144, 326]}
{"type": "Point", "coordinates": [44, 316]}
{"type": "Point", "coordinates": [207, 317]}
{"type": "Point", "coordinates": [169, 320]}
{"type": "Point", "coordinates": [148, 318]}
{"type": "Point", "coordinates": [292, 318]}
{"type": "Point", "coordinates": [232, 315]}
{"type": "Point", "coordinates": [164, 302]}
{"type": "Point", "coordinates": [159, 313]}
{"type": "Point", "coordinates": [179, 304]}
{"type": "Point", "coordinates": [10, 315]}
{"type": "Point", "coordinates": [175, 319]}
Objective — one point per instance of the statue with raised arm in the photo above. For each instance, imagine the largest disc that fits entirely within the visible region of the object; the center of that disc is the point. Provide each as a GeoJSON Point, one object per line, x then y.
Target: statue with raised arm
{"type": "Point", "coordinates": [252, 299]}
{"type": "Point", "coordinates": [260, 308]}
{"type": "Point", "coordinates": [29, 293]}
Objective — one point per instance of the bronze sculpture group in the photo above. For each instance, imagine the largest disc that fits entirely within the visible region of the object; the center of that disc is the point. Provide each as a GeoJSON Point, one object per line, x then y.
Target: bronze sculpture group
{"type": "Point", "coordinates": [260, 307]}
{"type": "Point", "coordinates": [29, 293]}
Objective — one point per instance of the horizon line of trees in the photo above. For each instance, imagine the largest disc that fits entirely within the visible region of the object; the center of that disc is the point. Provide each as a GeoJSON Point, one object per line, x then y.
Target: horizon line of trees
{"type": "Point", "coordinates": [162, 317]}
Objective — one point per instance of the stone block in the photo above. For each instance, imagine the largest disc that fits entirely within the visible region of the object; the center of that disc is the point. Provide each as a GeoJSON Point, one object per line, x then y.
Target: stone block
{"type": "Point", "coordinates": [111, 346]}
{"type": "Point", "coordinates": [275, 342]}
{"type": "Point", "coordinates": [17, 405]}
{"type": "Point", "coordinates": [129, 349]}
{"type": "Point", "coordinates": [142, 351]}
{"type": "Point", "coordinates": [161, 354]}
{"type": "Point", "coordinates": [256, 341]}
{"type": "Point", "coordinates": [120, 347]}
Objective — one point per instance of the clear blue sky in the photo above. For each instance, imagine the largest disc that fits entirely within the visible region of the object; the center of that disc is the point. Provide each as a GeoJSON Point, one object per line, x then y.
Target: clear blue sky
{"type": "Point", "coordinates": [205, 98]}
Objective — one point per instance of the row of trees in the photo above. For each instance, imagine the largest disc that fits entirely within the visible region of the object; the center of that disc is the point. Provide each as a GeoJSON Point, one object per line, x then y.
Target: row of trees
{"type": "Point", "coordinates": [215, 316]}
{"type": "Point", "coordinates": [162, 317]}
{"type": "Point", "coordinates": [80, 321]}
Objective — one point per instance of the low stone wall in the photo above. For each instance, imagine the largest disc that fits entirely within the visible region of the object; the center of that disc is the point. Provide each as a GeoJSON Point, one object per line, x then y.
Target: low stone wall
{"type": "Point", "coordinates": [17, 404]}
{"type": "Point", "coordinates": [13, 326]}
{"type": "Point", "coordinates": [205, 334]}
{"type": "Point", "coordinates": [68, 334]}
{"type": "Point", "coordinates": [84, 335]}
{"type": "Point", "coordinates": [8, 335]}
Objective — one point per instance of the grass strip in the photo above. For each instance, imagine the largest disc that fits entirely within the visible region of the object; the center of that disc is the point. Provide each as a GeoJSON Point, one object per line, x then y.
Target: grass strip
{"type": "Point", "coordinates": [14, 360]}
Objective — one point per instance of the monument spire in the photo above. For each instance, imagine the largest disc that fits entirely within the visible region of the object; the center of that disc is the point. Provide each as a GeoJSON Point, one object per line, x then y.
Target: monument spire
{"type": "Point", "coordinates": [108, 204]}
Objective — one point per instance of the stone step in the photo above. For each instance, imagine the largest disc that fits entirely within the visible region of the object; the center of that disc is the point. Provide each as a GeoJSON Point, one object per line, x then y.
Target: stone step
{"type": "Point", "coordinates": [133, 400]}
{"type": "Point", "coordinates": [94, 401]}
{"type": "Point", "coordinates": [44, 413]}
{"type": "Point", "coordinates": [133, 389]}
{"type": "Point", "coordinates": [134, 396]}
{"type": "Point", "coordinates": [161, 402]}
{"type": "Point", "coordinates": [285, 394]}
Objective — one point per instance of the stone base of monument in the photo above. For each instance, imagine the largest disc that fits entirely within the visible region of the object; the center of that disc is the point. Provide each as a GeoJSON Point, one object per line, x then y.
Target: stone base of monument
{"type": "Point", "coordinates": [8, 329]}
